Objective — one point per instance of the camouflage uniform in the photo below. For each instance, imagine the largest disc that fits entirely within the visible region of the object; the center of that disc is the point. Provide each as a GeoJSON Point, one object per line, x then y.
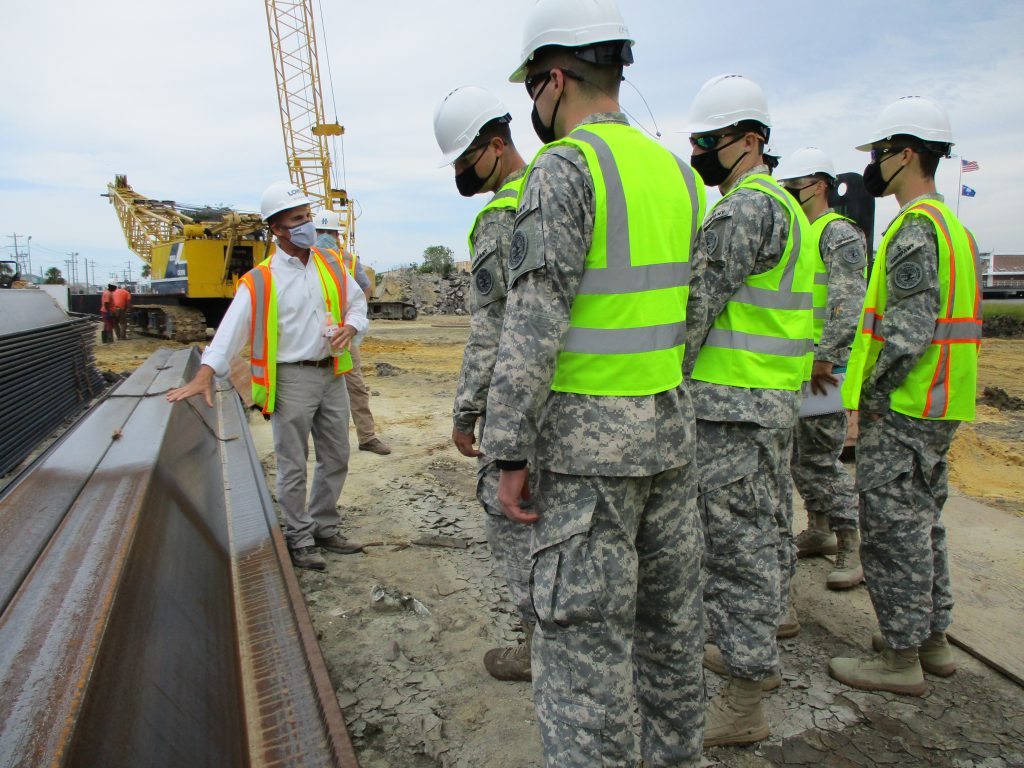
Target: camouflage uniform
{"type": "Point", "coordinates": [617, 549]}
{"type": "Point", "coordinates": [510, 542]}
{"type": "Point", "coordinates": [823, 482]}
{"type": "Point", "coordinates": [745, 438]}
{"type": "Point", "coordinates": [901, 460]}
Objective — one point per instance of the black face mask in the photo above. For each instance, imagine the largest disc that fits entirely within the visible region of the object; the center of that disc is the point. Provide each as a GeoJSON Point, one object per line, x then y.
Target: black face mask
{"type": "Point", "coordinates": [546, 133]}
{"type": "Point", "coordinates": [710, 167]}
{"type": "Point", "coordinates": [874, 182]}
{"type": "Point", "coordinates": [795, 192]}
{"type": "Point", "coordinates": [468, 183]}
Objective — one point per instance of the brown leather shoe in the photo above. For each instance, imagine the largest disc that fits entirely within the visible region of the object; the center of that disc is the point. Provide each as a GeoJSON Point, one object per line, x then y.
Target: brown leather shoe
{"type": "Point", "coordinates": [338, 544]}
{"type": "Point", "coordinates": [376, 445]}
{"type": "Point", "coordinates": [308, 557]}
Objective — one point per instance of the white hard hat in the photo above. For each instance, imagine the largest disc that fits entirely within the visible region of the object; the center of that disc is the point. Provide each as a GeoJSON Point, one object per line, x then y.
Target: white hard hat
{"type": "Point", "coordinates": [280, 196]}
{"type": "Point", "coordinates": [570, 24]}
{"type": "Point", "coordinates": [806, 162]}
{"type": "Point", "coordinates": [460, 116]}
{"type": "Point", "coordinates": [725, 100]}
{"type": "Point", "coordinates": [912, 116]}
{"type": "Point", "coordinates": [328, 220]}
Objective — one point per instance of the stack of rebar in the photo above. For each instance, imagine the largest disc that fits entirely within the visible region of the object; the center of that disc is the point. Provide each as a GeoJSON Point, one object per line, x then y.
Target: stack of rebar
{"type": "Point", "coordinates": [47, 371]}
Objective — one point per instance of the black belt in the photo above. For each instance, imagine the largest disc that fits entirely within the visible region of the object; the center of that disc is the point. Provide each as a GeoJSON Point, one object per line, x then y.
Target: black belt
{"type": "Point", "coordinates": [326, 362]}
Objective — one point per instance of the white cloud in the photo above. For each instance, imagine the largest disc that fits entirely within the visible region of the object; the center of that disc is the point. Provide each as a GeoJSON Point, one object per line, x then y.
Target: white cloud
{"type": "Point", "coordinates": [181, 98]}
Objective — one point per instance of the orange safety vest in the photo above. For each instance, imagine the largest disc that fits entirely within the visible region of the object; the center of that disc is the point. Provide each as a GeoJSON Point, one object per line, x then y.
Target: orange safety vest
{"type": "Point", "coordinates": [263, 323]}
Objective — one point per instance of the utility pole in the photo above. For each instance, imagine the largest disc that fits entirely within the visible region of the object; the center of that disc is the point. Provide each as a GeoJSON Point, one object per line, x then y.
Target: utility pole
{"type": "Point", "coordinates": [17, 254]}
{"type": "Point", "coordinates": [29, 246]}
{"type": "Point", "coordinates": [129, 272]}
{"type": "Point", "coordinates": [93, 263]}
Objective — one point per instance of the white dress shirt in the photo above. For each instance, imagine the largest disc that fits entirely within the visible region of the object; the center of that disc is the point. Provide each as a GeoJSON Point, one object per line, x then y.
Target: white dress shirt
{"type": "Point", "coordinates": [301, 316]}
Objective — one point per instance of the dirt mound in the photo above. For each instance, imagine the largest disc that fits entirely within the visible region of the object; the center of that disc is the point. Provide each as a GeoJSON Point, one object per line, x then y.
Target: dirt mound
{"type": "Point", "coordinates": [431, 293]}
{"type": "Point", "coordinates": [986, 467]}
{"type": "Point", "coordinates": [1003, 327]}
{"type": "Point", "coordinates": [997, 397]}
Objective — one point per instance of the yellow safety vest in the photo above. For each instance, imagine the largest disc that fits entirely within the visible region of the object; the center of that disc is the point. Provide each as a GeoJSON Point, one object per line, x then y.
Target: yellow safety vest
{"type": "Point", "coordinates": [943, 383]}
{"type": "Point", "coordinates": [763, 339]}
{"type": "Point", "coordinates": [627, 323]}
{"type": "Point", "coordinates": [506, 197]}
{"type": "Point", "coordinates": [821, 271]}
{"type": "Point", "coordinates": [263, 326]}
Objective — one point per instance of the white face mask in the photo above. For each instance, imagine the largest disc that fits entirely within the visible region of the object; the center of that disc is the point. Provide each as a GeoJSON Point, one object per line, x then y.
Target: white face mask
{"type": "Point", "coordinates": [303, 236]}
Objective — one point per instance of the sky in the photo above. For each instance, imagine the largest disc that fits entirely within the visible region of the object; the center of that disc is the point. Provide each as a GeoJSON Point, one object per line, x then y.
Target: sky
{"type": "Point", "coordinates": [181, 97]}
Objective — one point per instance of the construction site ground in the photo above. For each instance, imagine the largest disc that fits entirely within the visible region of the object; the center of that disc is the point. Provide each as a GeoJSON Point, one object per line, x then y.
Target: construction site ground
{"type": "Point", "coordinates": [404, 626]}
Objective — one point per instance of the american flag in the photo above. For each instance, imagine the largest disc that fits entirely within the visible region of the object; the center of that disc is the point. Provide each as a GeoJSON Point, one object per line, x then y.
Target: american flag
{"type": "Point", "coordinates": [968, 165]}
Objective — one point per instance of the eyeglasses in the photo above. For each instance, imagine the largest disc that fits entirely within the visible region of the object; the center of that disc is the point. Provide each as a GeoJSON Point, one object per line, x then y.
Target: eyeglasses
{"type": "Point", "coordinates": [796, 185]}
{"type": "Point", "coordinates": [538, 79]}
{"type": "Point", "coordinates": [877, 155]}
{"type": "Point", "coordinates": [711, 141]}
{"type": "Point", "coordinates": [543, 77]}
{"type": "Point", "coordinates": [462, 161]}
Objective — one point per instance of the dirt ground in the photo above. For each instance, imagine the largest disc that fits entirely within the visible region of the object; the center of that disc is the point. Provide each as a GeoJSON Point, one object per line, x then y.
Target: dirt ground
{"type": "Point", "coordinates": [404, 627]}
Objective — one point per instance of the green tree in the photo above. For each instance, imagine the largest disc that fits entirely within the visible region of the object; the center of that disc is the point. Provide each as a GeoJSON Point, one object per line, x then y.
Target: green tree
{"type": "Point", "coordinates": [146, 270]}
{"type": "Point", "coordinates": [439, 259]}
{"type": "Point", "coordinates": [53, 277]}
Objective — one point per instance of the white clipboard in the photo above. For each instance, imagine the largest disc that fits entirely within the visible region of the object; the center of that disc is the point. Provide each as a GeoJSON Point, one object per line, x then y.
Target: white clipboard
{"type": "Point", "coordinates": [819, 405]}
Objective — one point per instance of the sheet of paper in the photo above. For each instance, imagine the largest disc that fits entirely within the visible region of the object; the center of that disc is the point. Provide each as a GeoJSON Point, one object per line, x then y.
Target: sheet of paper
{"type": "Point", "coordinates": [817, 405]}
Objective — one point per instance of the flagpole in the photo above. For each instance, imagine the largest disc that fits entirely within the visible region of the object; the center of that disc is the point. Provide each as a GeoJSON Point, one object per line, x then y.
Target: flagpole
{"type": "Point", "coordinates": [960, 185]}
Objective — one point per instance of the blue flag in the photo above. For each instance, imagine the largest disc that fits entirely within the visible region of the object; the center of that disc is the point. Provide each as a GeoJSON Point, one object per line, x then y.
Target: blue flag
{"type": "Point", "coordinates": [967, 191]}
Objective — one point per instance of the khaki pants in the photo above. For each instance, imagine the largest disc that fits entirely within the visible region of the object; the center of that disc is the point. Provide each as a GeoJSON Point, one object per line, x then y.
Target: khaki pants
{"type": "Point", "coordinates": [359, 400]}
{"type": "Point", "coordinates": [310, 401]}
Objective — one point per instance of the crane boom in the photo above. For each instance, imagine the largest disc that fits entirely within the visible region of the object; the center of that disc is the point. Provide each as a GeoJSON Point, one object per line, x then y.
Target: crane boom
{"type": "Point", "coordinates": [297, 74]}
{"type": "Point", "coordinates": [300, 98]}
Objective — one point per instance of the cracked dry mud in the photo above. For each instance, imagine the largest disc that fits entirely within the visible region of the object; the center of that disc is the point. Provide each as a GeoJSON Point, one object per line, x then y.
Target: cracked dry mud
{"type": "Point", "coordinates": [413, 689]}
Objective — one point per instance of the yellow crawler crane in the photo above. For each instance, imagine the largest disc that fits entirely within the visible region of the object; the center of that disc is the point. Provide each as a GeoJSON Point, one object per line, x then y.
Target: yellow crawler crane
{"type": "Point", "coordinates": [194, 264]}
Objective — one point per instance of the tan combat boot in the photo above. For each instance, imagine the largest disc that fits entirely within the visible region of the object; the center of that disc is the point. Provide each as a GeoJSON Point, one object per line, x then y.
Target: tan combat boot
{"type": "Point", "coordinates": [934, 653]}
{"type": "Point", "coordinates": [713, 660]}
{"type": "Point", "coordinates": [847, 572]}
{"type": "Point", "coordinates": [817, 539]}
{"type": "Point", "coordinates": [735, 716]}
{"type": "Point", "coordinates": [511, 662]}
{"type": "Point", "coordinates": [791, 626]}
{"type": "Point", "coordinates": [896, 671]}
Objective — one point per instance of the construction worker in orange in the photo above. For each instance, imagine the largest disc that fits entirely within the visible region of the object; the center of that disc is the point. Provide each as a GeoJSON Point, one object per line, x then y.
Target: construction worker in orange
{"type": "Point", "coordinates": [107, 313]}
{"type": "Point", "coordinates": [121, 301]}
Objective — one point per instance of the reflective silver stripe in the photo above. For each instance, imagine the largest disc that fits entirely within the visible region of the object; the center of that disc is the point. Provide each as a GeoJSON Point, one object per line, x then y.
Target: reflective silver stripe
{"type": "Point", "coordinates": [691, 189]}
{"type": "Point", "coordinates": [617, 341]}
{"type": "Point", "coordinates": [259, 334]}
{"type": "Point", "coordinates": [618, 275]}
{"type": "Point", "coordinates": [952, 256]}
{"type": "Point", "coordinates": [937, 397]}
{"type": "Point", "coordinates": [257, 370]}
{"type": "Point", "coordinates": [503, 195]}
{"type": "Point", "coordinates": [820, 313]}
{"type": "Point", "coordinates": [957, 330]}
{"type": "Point", "coordinates": [786, 283]}
{"type": "Point", "coordinates": [768, 299]}
{"type": "Point", "coordinates": [755, 342]}
{"type": "Point", "coordinates": [608, 281]}
{"type": "Point", "coordinates": [821, 278]}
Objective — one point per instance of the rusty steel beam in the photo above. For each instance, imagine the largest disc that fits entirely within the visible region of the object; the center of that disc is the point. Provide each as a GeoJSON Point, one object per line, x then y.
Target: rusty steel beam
{"type": "Point", "coordinates": [150, 615]}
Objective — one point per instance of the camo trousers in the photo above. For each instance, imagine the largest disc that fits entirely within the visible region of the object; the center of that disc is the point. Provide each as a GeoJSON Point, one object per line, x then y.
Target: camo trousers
{"type": "Point", "coordinates": [616, 584]}
{"type": "Point", "coordinates": [745, 505]}
{"type": "Point", "coordinates": [820, 478]}
{"type": "Point", "coordinates": [509, 542]}
{"type": "Point", "coordinates": [902, 479]}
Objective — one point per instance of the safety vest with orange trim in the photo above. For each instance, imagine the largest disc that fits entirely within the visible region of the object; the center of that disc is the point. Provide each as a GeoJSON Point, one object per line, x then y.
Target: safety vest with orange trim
{"type": "Point", "coordinates": [942, 385]}
{"type": "Point", "coordinates": [263, 324]}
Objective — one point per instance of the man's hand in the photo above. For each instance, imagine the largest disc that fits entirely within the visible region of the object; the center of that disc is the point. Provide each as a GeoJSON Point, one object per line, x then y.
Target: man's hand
{"type": "Point", "coordinates": [821, 374]}
{"type": "Point", "coordinates": [513, 487]}
{"type": "Point", "coordinates": [342, 338]}
{"type": "Point", "coordinates": [201, 384]}
{"type": "Point", "coordinates": [464, 443]}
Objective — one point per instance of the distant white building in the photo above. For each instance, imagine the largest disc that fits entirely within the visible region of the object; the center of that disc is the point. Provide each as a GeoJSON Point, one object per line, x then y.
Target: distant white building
{"type": "Point", "coordinates": [1002, 274]}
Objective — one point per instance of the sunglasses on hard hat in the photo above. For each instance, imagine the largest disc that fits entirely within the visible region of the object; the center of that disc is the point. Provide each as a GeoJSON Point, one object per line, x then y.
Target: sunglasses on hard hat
{"type": "Point", "coordinates": [711, 141]}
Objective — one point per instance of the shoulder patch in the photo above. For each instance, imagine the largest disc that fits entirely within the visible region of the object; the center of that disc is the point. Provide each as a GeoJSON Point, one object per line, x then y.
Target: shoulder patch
{"type": "Point", "coordinates": [484, 281]}
{"type": "Point", "coordinates": [709, 242]}
{"type": "Point", "coordinates": [851, 256]}
{"type": "Point", "coordinates": [908, 276]}
{"type": "Point", "coordinates": [517, 251]}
